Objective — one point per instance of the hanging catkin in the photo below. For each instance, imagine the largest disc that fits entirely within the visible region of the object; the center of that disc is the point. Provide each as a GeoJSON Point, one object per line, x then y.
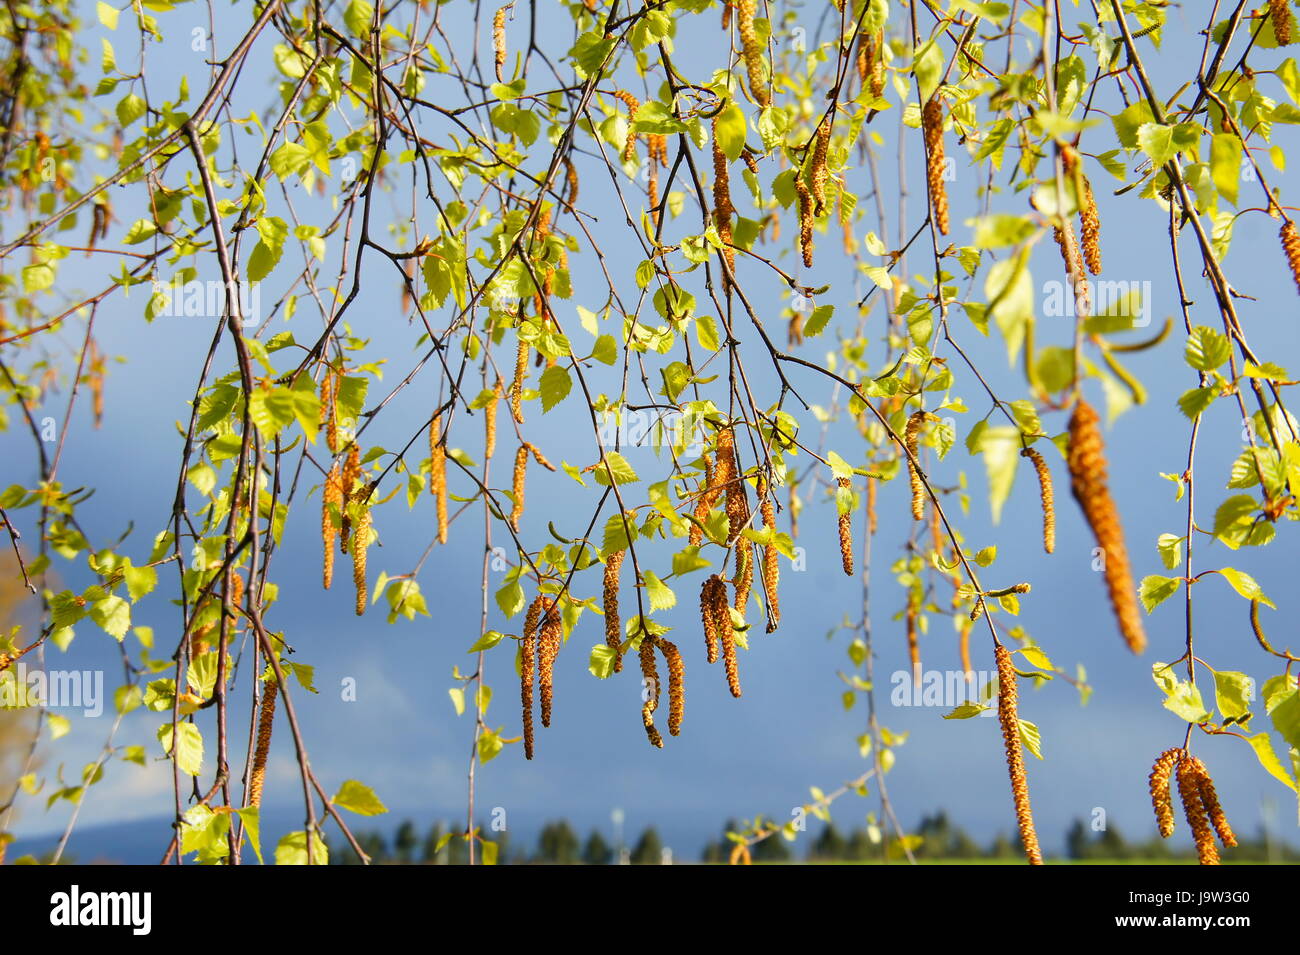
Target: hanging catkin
{"type": "Point", "coordinates": [570, 181]}
{"type": "Point", "coordinates": [703, 504]}
{"type": "Point", "coordinates": [805, 219]}
{"type": "Point", "coordinates": [538, 456]}
{"type": "Point", "coordinates": [527, 667]}
{"type": "Point", "coordinates": [265, 721]}
{"type": "Point", "coordinates": [1291, 246]}
{"type": "Point", "coordinates": [911, 437]}
{"type": "Point", "coordinates": [871, 505]}
{"type": "Point", "coordinates": [708, 616]}
{"type": "Point", "coordinates": [499, 41]}
{"type": "Point", "coordinates": [1089, 220]}
{"type": "Point", "coordinates": [1280, 13]}
{"type": "Point", "coordinates": [613, 626]}
{"type": "Point", "coordinates": [360, 544]}
{"type": "Point", "coordinates": [490, 421]}
{"type": "Point", "coordinates": [1210, 800]}
{"type": "Point", "coordinates": [527, 662]}
{"type": "Point", "coordinates": [548, 648]}
{"type": "Point", "coordinates": [517, 386]}
{"type": "Point", "coordinates": [1189, 789]}
{"type": "Point", "coordinates": [913, 643]}
{"type": "Point", "coordinates": [1046, 495]}
{"type": "Point", "coordinates": [752, 51]}
{"type": "Point", "coordinates": [1161, 798]}
{"type": "Point", "coordinates": [1008, 717]}
{"type": "Point", "coordinates": [329, 410]}
{"type": "Point", "coordinates": [845, 526]}
{"type": "Point", "coordinates": [1079, 285]}
{"type": "Point", "coordinates": [727, 635]}
{"type": "Point", "coordinates": [727, 481]}
{"type": "Point", "coordinates": [438, 474]}
{"type": "Point", "coordinates": [650, 690]}
{"type": "Point", "coordinates": [632, 104]}
{"type": "Point", "coordinates": [676, 685]}
{"type": "Point", "coordinates": [1090, 228]}
{"type": "Point", "coordinates": [723, 210]}
{"type": "Point", "coordinates": [329, 531]}
{"type": "Point", "coordinates": [1087, 462]}
{"type": "Point", "coordinates": [521, 469]}
{"type": "Point", "coordinates": [932, 127]}
{"type": "Point", "coordinates": [351, 474]}
{"type": "Point", "coordinates": [817, 166]}
{"type": "Point", "coordinates": [771, 560]}
{"type": "Point", "coordinates": [744, 580]}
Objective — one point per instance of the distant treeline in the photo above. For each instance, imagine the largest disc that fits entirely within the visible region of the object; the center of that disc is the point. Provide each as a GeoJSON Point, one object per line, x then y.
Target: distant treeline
{"type": "Point", "coordinates": [559, 844]}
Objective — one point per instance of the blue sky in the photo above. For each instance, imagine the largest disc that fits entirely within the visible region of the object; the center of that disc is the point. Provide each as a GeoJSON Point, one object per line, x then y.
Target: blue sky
{"type": "Point", "coordinates": [790, 731]}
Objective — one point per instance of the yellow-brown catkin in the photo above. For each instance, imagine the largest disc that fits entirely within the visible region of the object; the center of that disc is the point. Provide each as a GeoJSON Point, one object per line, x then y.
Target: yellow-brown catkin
{"type": "Point", "coordinates": [1008, 716]}
{"type": "Point", "coordinates": [650, 690]}
{"type": "Point", "coordinates": [517, 386]}
{"type": "Point", "coordinates": [527, 664]}
{"type": "Point", "coordinates": [727, 480]}
{"type": "Point", "coordinates": [351, 474]}
{"type": "Point", "coordinates": [499, 41]}
{"type": "Point", "coordinates": [871, 505]}
{"type": "Point", "coordinates": [817, 166]}
{"type": "Point", "coordinates": [744, 580]}
{"type": "Point", "coordinates": [911, 437]}
{"type": "Point", "coordinates": [329, 532]}
{"type": "Point", "coordinates": [913, 644]}
{"type": "Point", "coordinates": [1189, 789]}
{"type": "Point", "coordinates": [794, 333]}
{"type": "Point", "coordinates": [1291, 246]}
{"type": "Point", "coordinates": [771, 559]}
{"type": "Point", "coordinates": [805, 220]}
{"type": "Point", "coordinates": [490, 421]}
{"type": "Point", "coordinates": [752, 51]}
{"type": "Point", "coordinates": [1161, 798]}
{"type": "Point", "coordinates": [265, 719]}
{"type": "Point", "coordinates": [521, 469]}
{"type": "Point", "coordinates": [360, 544]}
{"type": "Point", "coordinates": [727, 635]}
{"type": "Point", "coordinates": [845, 529]}
{"type": "Point", "coordinates": [438, 474]}
{"type": "Point", "coordinates": [1079, 286]}
{"type": "Point", "coordinates": [1210, 800]}
{"type": "Point", "coordinates": [571, 181]}
{"type": "Point", "coordinates": [723, 210]}
{"type": "Point", "coordinates": [708, 616]}
{"type": "Point", "coordinates": [538, 456]}
{"type": "Point", "coordinates": [329, 411]}
{"type": "Point", "coordinates": [1046, 495]}
{"type": "Point", "coordinates": [1090, 227]}
{"type": "Point", "coordinates": [703, 504]}
{"type": "Point", "coordinates": [963, 648]}
{"type": "Point", "coordinates": [548, 648]}
{"type": "Point", "coordinates": [1280, 13]}
{"type": "Point", "coordinates": [932, 127]}
{"type": "Point", "coordinates": [876, 61]}
{"type": "Point", "coordinates": [1087, 462]}
{"type": "Point", "coordinates": [613, 626]}
{"type": "Point", "coordinates": [632, 104]}
{"type": "Point", "coordinates": [676, 685]}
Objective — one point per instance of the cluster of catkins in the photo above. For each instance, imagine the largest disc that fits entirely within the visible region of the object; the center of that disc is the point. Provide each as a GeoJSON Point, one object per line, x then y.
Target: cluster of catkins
{"type": "Point", "coordinates": [1200, 802]}
{"type": "Point", "coordinates": [345, 498]}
